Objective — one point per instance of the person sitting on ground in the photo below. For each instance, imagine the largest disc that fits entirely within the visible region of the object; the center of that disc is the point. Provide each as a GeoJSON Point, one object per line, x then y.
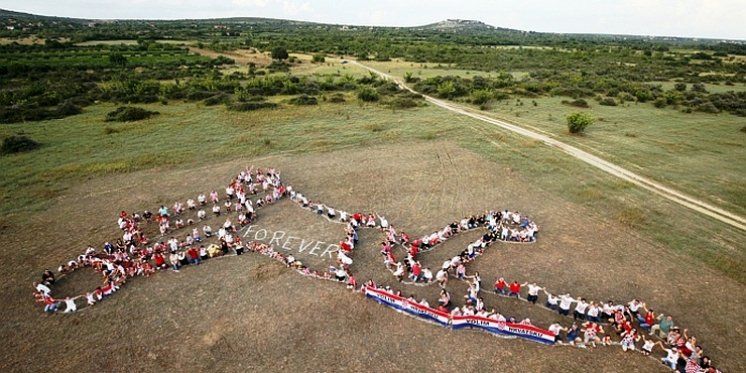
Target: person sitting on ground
{"type": "Point", "coordinates": [672, 356]}
{"type": "Point", "coordinates": [515, 289]}
{"type": "Point", "coordinates": [47, 278]}
{"type": "Point", "coordinates": [193, 255]}
{"type": "Point", "coordinates": [556, 329]}
{"type": "Point", "coordinates": [648, 320]}
{"type": "Point", "coordinates": [207, 230]}
{"type": "Point", "coordinates": [665, 323]}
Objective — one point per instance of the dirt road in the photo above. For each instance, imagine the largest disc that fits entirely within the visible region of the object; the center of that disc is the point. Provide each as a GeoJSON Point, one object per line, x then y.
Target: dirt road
{"type": "Point", "coordinates": [618, 171]}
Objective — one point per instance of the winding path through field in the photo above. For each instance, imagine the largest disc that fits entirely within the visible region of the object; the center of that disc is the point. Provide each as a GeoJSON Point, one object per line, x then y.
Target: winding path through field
{"type": "Point", "coordinates": [611, 168]}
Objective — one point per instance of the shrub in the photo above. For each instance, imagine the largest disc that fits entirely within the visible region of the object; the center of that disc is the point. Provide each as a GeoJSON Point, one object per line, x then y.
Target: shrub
{"type": "Point", "coordinates": [577, 122]}
{"type": "Point", "coordinates": [337, 98]}
{"type": "Point", "coordinates": [368, 94]}
{"type": "Point", "coordinates": [403, 103]}
{"type": "Point", "coordinates": [408, 78]}
{"type": "Point", "coordinates": [18, 144]}
{"type": "Point", "coordinates": [68, 108]}
{"type": "Point", "coordinates": [129, 114]}
{"type": "Point", "coordinates": [681, 87]}
{"type": "Point", "coordinates": [481, 96]}
{"type": "Point", "coordinates": [660, 102]}
{"type": "Point", "coordinates": [252, 105]}
{"type": "Point", "coordinates": [279, 53]}
{"type": "Point", "coordinates": [607, 101]}
{"type": "Point", "coordinates": [318, 58]}
{"type": "Point", "coordinates": [304, 100]}
{"type": "Point", "coordinates": [708, 107]}
{"type": "Point", "coordinates": [581, 103]}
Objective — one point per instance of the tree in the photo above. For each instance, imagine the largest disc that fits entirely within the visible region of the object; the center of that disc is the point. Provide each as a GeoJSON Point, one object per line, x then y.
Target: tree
{"type": "Point", "coordinates": [318, 58]}
{"type": "Point", "coordinates": [280, 53]}
{"type": "Point", "coordinates": [577, 122]}
{"type": "Point", "coordinates": [117, 59]}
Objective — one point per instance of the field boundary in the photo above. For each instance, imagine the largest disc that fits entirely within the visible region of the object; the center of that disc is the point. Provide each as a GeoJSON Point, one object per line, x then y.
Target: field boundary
{"type": "Point", "coordinates": [669, 193]}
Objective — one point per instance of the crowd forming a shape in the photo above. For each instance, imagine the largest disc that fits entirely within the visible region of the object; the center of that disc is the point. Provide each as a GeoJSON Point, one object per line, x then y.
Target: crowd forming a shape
{"type": "Point", "coordinates": [594, 323]}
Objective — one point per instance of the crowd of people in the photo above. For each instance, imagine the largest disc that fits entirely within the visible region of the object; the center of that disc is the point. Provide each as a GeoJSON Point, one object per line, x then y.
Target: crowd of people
{"type": "Point", "coordinates": [136, 254]}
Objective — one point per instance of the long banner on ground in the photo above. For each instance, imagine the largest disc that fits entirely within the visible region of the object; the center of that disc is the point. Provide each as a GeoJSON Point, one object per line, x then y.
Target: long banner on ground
{"type": "Point", "coordinates": [444, 319]}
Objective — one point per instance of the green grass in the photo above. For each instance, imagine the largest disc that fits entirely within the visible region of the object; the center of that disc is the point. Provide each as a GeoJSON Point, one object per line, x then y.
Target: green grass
{"type": "Point", "coordinates": [701, 154]}
{"type": "Point", "coordinates": [191, 135]}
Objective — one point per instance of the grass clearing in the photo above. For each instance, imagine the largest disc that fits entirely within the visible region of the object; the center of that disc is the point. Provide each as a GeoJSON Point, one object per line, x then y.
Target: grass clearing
{"type": "Point", "coordinates": [701, 154]}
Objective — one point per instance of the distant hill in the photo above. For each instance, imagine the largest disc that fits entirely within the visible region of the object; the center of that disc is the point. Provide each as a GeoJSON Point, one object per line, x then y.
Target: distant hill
{"type": "Point", "coordinates": [458, 25]}
{"type": "Point", "coordinates": [31, 22]}
{"type": "Point", "coordinates": [28, 17]}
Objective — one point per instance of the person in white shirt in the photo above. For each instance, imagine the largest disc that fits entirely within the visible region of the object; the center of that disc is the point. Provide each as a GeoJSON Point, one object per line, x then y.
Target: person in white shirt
{"type": "Point", "coordinates": [556, 329]}
{"type": "Point", "coordinates": [533, 292]}
{"type": "Point", "coordinates": [427, 275]}
{"type": "Point", "coordinates": [43, 289]}
{"type": "Point", "coordinates": [593, 312]}
{"type": "Point", "coordinates": [672, 356]}
{"type": "Point", "coordinates": [634, 307]}
{"type": "Point", "coordinates": [565, 302]}
{"type": "Point", "coordinates": [552, 301]}
{"type": "Point", "coordinates": [202, 199]}
{"type": "Point", "coordinates": [70, 306]}
{"type": "Point", "coordinates": [580, 309]}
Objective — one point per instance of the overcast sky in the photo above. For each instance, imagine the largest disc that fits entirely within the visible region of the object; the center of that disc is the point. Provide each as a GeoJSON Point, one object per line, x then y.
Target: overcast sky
{"type": "Point", "coordinates": [692, 18]}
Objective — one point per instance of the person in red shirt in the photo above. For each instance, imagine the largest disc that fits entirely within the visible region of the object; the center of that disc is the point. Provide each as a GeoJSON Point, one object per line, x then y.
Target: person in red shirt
{"type": "Point", "coordinates": [160, 261]}
{"type": "Point", "coordinates": [416, 271]}
{"type": "Point", "coordinates": [515, 289]}
{"type": "Point", "coordinates": [501, 287]}
{"type": "Point", "coordinates": [193, 255]}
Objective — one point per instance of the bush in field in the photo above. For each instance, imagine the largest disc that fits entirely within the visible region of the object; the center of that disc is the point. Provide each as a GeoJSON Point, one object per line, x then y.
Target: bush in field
{"type": "Point", "coordinates": [280, 53]}
{"type": "Point", "coordinates": [17, 144]}
{"type": "Point", "coordinates": [252, 105]}
{"type": "Point", "coordinates": [368, 94]}
{"type": "Point", "coordinates": [337, 98]}
{"type": "Point", "coordinates": [481, 96]}
{"type": "Point", "coordinates": [409, 78]}
{"type": "Point", "coordinates": [68, 108]}
{"type": "Point", "coordinates": [117, 59]}
{"type": "Point", "coordinates": [577, 122]}
{"type": "Point", "coordinates": [708, 107]}
{"type": "Point", "coordinates": [129, 114]}
{"type": "Point", "coordinates": [304, 100]}
{"type": "Point", "coordinates": [581, 103]}
{"type": "Point", "coordinates": [607, 101]}
{"type": "Point", "coordinates": [318, 58]}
